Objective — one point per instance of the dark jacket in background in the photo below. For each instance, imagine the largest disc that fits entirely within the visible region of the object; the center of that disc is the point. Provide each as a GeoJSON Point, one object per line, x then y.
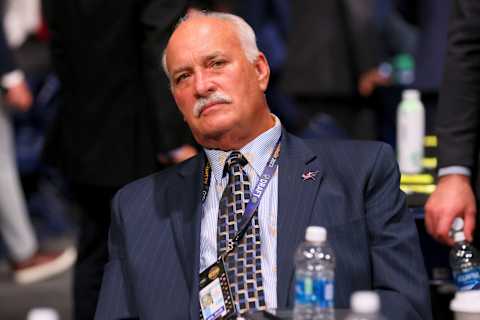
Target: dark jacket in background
{"type": "Point", "coordinates": [330, 43]}
{"type": "Point", "coordinates": [431, 19]}
{"type": "Point", "coordinates": [117, 111]}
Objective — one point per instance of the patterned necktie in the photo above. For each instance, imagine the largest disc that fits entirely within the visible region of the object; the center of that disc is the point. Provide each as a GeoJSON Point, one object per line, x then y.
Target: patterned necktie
{"type": "Point", "coordinates": [244, 265]}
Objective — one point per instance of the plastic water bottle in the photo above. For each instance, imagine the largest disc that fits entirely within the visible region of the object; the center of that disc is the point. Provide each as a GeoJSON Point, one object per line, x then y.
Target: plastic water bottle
{"type": "Point", "coordinates": [364, 305]}
{"type": "Point", "coordinates": [464, 260]}
{"type": "Point", "coordinates": [410, 132]}
{"type": "Point", "coordinates": [403, 69]}
{"type": "Point", "coordinates": [314, 276]}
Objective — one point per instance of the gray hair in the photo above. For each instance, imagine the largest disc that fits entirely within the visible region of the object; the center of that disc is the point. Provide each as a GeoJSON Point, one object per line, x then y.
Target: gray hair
{"type": "Point", "coordinates": [245, 34]}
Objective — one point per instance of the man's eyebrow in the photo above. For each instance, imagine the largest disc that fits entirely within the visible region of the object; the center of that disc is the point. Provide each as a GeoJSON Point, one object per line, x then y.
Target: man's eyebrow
{"type": "Point", "coordinates": [213, 55]}
{"type": "Point", "coordinates": [180, 69]}
{"type": "Point", "coordinates": [206, 58]}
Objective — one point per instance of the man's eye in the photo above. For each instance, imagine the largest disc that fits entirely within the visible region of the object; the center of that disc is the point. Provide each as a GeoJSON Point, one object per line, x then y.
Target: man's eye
{"type": "Point", "coordinates": [181, 77]}
{"type": "Point", "coordinates": [218, 63]}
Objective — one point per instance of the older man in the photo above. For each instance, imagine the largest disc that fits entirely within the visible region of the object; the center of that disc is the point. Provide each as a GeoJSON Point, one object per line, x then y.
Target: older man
{"type": "Point", "coordinates": [169, 230]}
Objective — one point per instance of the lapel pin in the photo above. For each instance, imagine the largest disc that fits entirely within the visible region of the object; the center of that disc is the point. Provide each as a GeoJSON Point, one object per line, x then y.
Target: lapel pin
{"type": "Point", "coordinates": [309, 175]}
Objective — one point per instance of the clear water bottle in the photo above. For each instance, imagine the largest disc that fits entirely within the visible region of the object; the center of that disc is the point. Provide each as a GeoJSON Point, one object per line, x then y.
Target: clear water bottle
{"type": "Point", "coordinates": [314, 277]}
{"type": "Point", "coordinates": [364, 305]}
{"type": "Point", "coordinates": [410, 132]}
{"type": "Point", "coordinates": [464, 260]}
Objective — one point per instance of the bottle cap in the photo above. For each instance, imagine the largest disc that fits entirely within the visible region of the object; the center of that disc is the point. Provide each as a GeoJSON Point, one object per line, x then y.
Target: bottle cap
{"type": "Point", "coordinates": [457, 224]}
{"type": "Point", "coordinates": [457, 229]}
{"type": "Point", "coordinates": [410, 94]}
{"type": "Point", "coordinates": [316, 234]}
{"type": "Point", "coordinates": [458, 236]}
{"type": "Point", "coordinates": [403, 61]}
{"type": "Point", "coordinates": [365, 302]}
{"type": "Point", "coordinates": [43, 314]}
{"type": "Point", "coordinates": [466, 301]}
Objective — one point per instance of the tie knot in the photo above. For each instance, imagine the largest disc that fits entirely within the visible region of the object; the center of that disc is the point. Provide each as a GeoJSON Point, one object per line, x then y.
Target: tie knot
{"type": "Point", "coordinates": [235, 159]}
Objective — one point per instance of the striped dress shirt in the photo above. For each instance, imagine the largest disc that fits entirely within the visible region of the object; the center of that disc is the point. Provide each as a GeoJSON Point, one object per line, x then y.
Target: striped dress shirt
{"type": "Point", "coordinates": [257, 152]}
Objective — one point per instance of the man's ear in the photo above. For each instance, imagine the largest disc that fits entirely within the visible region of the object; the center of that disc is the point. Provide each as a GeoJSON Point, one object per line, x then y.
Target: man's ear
{"type": "Point", "coordinates": [263, 71]}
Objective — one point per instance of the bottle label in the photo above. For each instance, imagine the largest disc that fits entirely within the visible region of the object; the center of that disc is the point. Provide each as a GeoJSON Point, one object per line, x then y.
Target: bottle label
{"type": "Point", "coordinates": [323, 289]}
{"type": "Point", "coordinates": [314, 291]}
{"type": "Point", "coordinates": [304, 290]}
{"type": "Point", "coordinates": [468, 279]}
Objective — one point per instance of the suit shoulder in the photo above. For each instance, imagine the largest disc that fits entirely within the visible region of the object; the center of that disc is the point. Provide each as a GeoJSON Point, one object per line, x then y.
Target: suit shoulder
{"type": "Point", "coordinates": [154, 182]}
{"type": "Point", "coordinates": [356, 167]}
{"type": "Point", "coordinates": [355, 148]}
{"type": "Point", "coordinates": [353, 157]}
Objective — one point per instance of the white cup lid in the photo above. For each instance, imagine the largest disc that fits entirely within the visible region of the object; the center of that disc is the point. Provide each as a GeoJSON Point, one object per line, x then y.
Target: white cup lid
{"type": "Point", "coordinates": [43, 314]}
{"type": "Point", "coordinates": [365, 302]}
{"type": "Point", "coordinates": [466, 301]}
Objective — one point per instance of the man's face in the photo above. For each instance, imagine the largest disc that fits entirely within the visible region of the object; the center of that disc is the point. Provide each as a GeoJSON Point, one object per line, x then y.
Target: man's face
{"type": "Point", "coordinates": [218, 91]}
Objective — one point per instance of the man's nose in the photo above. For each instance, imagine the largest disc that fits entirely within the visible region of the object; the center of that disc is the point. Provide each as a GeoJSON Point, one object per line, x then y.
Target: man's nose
{"type": "Point", "coordinates": [203, 84]}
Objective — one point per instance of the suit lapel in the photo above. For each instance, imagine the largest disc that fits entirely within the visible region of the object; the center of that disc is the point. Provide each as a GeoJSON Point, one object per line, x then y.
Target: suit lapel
{"type": "Point", "coordinates": [296, 197]}
{"type": "Point", "coordinates": [184, 199]}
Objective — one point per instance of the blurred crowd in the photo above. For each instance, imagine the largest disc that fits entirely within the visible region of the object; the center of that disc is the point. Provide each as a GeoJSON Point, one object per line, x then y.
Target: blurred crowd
{"type": "Point", "coordinates": [86, 108]}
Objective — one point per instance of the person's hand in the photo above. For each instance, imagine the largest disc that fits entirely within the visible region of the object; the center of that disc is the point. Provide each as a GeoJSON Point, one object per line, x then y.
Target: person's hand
{"type": "Point", "coordinates": [370, 80]}
{"type": "Point", "coordinates": [19, 96]}
{"type": "Point", "coordinates": [183, 153]}
{"type": "Point", "coordinates": [177, 155]}
{"type": "Point", "coordinates": [452, 198]}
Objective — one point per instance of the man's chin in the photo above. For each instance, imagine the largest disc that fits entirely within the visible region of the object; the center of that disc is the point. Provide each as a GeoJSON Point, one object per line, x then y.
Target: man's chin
{"type": "Point", "coordinates": [216, 134]}
{"type": "Point", "coordinates": [214, 137]}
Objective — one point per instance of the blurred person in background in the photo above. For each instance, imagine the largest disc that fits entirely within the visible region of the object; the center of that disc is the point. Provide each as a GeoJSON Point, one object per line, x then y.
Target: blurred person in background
{"type": "Point", "coordinates": [431, 18]}
{"type": "Point", "coordinates": [331, 44]}
{"type": "Point", "coordinates": [426, 22]}
{"type": "Point", "coordinates": [270, 19]}
{"type": "Point", "coordinates": [457, 127]}
{"type": "Point", "coordinates": [413, 45]}
{"type": "Point", "coordinates": [44, 187]}
{"type": "Point", "coordinates": [28, 262]}
{"type": "Point", "coordinates": [117, 117]}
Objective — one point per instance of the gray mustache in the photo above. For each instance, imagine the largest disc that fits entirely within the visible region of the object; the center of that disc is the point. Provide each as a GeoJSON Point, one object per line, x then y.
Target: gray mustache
{"type": "Point", "coordinates": [216, 97]}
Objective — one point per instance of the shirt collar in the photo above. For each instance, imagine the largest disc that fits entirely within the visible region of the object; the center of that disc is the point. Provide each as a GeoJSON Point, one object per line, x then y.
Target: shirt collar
{"type": "Point", "coordinates": [257, 152]}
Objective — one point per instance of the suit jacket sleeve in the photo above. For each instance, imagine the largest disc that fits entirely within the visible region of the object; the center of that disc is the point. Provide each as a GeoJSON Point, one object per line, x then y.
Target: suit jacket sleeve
{"type": "Point", "coordinates": [457, 114]}
{"type": "Point", "coordinates": [397, 264]}
{"type": "Point", "coordinates": [115, 302]}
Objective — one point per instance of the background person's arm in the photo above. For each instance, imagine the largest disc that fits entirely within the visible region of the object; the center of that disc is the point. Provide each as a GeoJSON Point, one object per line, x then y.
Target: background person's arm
{"type": "Point", "coordinates": [457, 123]}
{"type": "Point", "coordinates": [16, 91]}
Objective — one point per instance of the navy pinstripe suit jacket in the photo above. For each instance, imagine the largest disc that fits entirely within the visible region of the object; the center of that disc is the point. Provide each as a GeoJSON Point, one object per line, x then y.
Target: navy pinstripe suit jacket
{"type": "Point", "coordinates": [155, 233]}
